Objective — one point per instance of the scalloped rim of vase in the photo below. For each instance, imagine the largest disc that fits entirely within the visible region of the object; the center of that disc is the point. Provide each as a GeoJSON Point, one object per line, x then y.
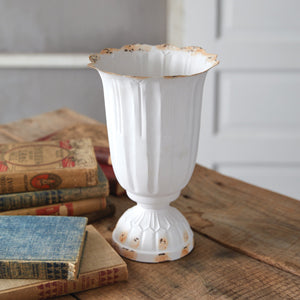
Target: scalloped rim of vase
{"type": "Point", "coordinates": [192, 50]}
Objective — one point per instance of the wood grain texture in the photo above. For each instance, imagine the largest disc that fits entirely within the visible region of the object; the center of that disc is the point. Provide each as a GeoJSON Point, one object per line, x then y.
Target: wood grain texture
{"type": "Point", "coordinates": [248, 219]}
{"type": "Point", "coordinates": [211, 271]}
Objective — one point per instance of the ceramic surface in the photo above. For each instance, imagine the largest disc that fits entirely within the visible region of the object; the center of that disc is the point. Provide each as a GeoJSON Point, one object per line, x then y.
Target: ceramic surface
{"type": "Point", "coordinates": [153, 97]}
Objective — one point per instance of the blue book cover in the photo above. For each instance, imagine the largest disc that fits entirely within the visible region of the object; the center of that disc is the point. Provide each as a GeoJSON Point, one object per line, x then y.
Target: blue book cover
{"type": "Point", "coordinates": [41, 247]}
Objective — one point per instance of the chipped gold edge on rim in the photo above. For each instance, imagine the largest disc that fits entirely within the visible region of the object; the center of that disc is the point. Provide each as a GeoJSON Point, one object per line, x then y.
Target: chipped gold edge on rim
{"type": "Point", "coordinates": [195, 50]}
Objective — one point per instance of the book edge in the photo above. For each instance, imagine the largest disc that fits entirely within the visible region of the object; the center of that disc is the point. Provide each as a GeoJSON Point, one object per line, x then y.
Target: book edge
{"type": "Point", "coordinates": [74, 207]}
{"type": "Point", "coordinates": [74, 269]}
{"type": "Point", "coordinates": [71, 265]}
{"type": "Point", "coordinates": [102, 188]}
{"type": "Point", "coordinates": [32, 290]}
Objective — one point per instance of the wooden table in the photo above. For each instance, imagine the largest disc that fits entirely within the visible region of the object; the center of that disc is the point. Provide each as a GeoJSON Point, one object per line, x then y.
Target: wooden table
{"type": "Point", "coordinates": [247, 246]}
{"type": "Point", "coordinates": [247, 239]}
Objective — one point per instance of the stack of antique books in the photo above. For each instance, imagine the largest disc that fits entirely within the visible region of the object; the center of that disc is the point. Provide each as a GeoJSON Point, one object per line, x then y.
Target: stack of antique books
{"type": "Point", "coordinates": [47, 256]}
{"type": "Point", "coordinates": [59, 177]}
{"type": "Point", "coordinates": [97, 133]}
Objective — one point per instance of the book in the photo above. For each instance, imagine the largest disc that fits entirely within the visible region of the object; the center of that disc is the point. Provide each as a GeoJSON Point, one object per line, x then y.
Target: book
{"type": "Point", "coordinates": [102, 155]}
{"type": "Point", "coordinates": [60, 123]}
{"type": "Point", "coordinates": [114, 186]}
{"type": "Point", "coordinates": [49, 197]}
{"type": "Point", "coordinates": [100, 265]}
{"type": "Point", "coordinates": [97, 133]}
{"type": "Point", "coordinates": [100, 214]}
{"type": "Point", "coordinates": [75, 208]}
{"type": "Point", "coordinates": [31, 129]}
{"type": "Point", "coordinates": [41, 247]}
{"type": "Point", "coordinates": [47, 165]}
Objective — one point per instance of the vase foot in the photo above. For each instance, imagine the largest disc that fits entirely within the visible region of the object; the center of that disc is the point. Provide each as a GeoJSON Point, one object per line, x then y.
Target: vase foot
{"type": "Point", "coordinates": [153, 235]}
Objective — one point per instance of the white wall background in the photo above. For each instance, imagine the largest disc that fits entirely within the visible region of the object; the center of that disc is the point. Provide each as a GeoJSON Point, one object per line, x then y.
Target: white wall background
{"type": "Point", "coordinates": [251, 112]}
{"type": "Point", "coordinates": [35, 78]}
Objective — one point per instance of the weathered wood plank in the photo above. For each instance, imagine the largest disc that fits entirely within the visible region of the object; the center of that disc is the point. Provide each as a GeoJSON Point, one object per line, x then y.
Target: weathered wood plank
{"type": "Point", "coordinates": [211, 271]}
{"type": "Point", "coordinates": [251, 220]}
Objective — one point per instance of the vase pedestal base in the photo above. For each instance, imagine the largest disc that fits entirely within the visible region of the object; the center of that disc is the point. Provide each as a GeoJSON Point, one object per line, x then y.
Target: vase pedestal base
{"type": "Point", "coordinates": [153, 235]}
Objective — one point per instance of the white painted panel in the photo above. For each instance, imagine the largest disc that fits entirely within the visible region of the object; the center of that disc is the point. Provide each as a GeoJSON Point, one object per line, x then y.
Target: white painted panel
{"type": "Point", "coordinates": [259, 18]}
{"type": "Point", "coordinates": [259, 149]}
{"type": "Point", "coordinates": [76, 26]}
{"type": "Point", "coordinates": [42, 60]}
{"type": "Point", "coordinates": [283, 179]}
{"type": "Point", "coordinates": [251, 112]}
{"type": "Point", "coordinates": [259, 102]}
{"type": "Point", "coordinates": [27, 92]}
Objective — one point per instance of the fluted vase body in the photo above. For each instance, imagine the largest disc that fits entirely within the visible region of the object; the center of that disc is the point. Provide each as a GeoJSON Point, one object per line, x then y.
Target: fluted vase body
{"type": "Point", "coordinates": [153, 97]}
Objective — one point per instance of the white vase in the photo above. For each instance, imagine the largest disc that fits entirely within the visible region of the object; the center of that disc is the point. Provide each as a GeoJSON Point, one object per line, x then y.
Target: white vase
{"type": "Point", "coordinates": [153, 97]}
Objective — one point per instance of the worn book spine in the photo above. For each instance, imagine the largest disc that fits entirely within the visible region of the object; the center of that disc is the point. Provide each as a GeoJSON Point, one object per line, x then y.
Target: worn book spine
{"type": "Point", "coordinates": [47, 165]}
{"type": "Point", "coordinates": [49, 197]}
{"type": "Point", "coordinates": [114, 186]}
{"type": "Point", "coordinates": [32, 181]}
{"type": "Point", "coordinates": [102, 155]}
{"type": "Point", "coordinates": [31, 270]}
{"type": "Point", "coordinates": [41, 198]}
{"type": "Point", "coordinates": [75, 208]}
{"type": "Point", "coordinates": [48, 270]}
{"type": "Point", "coordinates": [100, 214]}
{"type": "Point", "coordinates": [41, 247]}
{"type": "Point", "coordinates": [100, 265]}
{"type": "Point", "coordinates": [47, 290]}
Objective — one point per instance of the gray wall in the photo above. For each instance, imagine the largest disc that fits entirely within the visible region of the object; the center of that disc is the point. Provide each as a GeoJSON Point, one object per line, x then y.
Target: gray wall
{"type": "Point", "coordinates": [68, 26]}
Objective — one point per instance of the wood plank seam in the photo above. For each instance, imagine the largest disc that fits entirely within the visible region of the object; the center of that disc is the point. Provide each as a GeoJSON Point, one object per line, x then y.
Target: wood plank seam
{"type": "Point", "coordinates": [248, 254]}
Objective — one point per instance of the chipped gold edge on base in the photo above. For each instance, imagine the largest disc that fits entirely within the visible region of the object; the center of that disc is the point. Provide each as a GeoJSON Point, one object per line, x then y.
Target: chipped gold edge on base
{"type": "Point", "coordinates": [195, 50]}
{"type": "Point", "coordinates": [152, 257]}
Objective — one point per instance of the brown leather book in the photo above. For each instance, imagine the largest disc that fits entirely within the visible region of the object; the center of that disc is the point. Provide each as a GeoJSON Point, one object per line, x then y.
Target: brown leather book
{"type": "Point", "coordinates": [47, 165]}
{"type": "Point", "coordinates": [74, 208]}
{"type": "Point", "coordinates": [114, 186]}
